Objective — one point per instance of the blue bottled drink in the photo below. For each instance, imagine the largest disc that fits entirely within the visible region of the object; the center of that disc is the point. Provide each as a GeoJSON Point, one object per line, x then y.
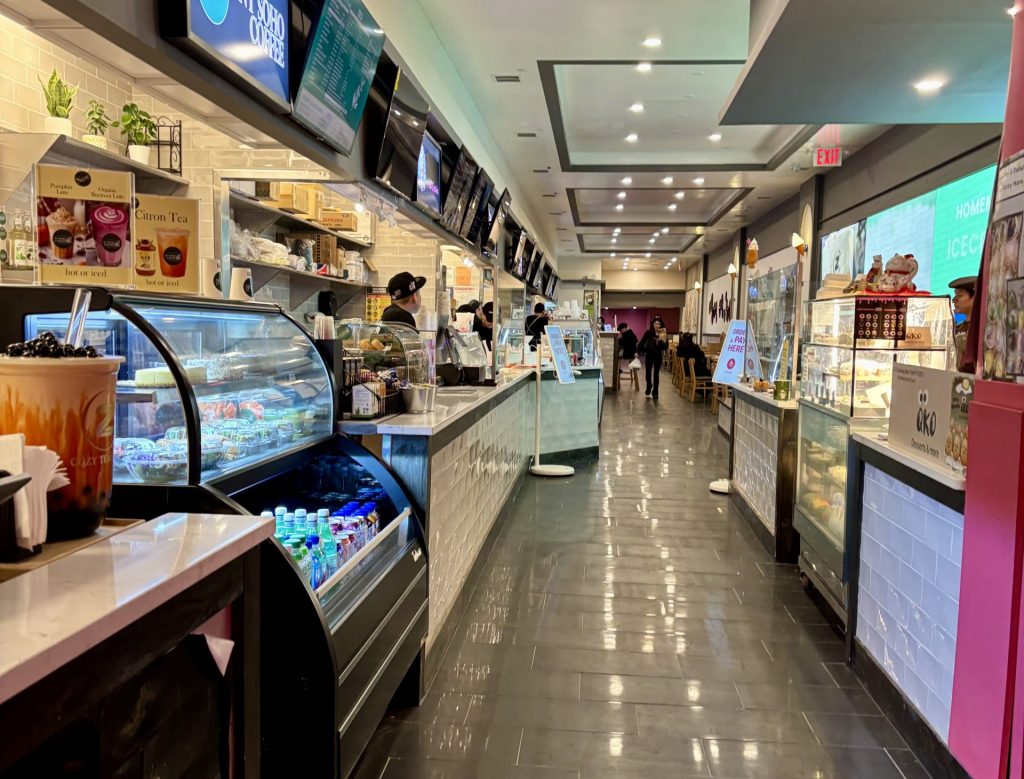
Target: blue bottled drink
{"type": "Point", "coordinates": [319, 561]}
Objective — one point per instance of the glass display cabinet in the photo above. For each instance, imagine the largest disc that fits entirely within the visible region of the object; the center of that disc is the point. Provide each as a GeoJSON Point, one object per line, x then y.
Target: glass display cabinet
{"type": "Point", "coordinates": [228, 407]}
{"type": "Point", "coordinates": [849, 347]}
{"type": "Point", "coordinates": [771, 312]}
{"type": "Point", "coordinates": [384, 348]}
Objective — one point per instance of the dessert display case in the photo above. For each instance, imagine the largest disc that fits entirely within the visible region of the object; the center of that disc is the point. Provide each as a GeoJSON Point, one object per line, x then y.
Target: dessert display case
{"type": "Point", "coordinates": [849, 347]}
{"type": "Point", "coordinates": [579, 335]}
{"type": "Point", "coordinates": [228, 407]}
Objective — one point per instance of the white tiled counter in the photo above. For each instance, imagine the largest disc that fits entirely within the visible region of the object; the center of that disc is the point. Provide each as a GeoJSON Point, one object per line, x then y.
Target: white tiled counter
{"type": "Point", "coordinates": [764, 468]}
{"type": "Point", "coordinates": [908, 577]}
{"type": "Point", "coordinates": [461, 463]}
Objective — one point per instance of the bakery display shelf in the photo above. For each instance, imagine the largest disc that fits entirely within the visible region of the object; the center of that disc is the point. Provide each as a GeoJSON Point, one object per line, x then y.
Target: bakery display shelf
{"type": "Point", "coordinates": [302, 284]}
{"type": "Point", "coordinates": [826, 478]}
{"type": "Point", "coordinates": [257, 216]}
{"type": "Point", "coordinates": [822, 527]}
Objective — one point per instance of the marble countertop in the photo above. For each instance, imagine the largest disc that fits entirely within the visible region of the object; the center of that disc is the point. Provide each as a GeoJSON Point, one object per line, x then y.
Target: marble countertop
{"type": "Point", "coordinates": [765, 397]}
{"type": "Point", "coordinates": [936, 473]}
{"type": "Point", "coordinates": [53, 614]}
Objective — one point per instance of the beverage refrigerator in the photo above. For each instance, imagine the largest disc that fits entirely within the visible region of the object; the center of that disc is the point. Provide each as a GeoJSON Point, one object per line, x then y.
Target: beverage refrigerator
{"type": "Point", "coordinates": [228, 407]}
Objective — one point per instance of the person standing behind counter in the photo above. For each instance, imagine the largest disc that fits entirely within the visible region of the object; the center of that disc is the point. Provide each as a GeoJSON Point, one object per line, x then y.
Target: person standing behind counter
{"type": "Point", "coordinates": [483, 324]}
{"type": "Point", "coordinates": [535, 324]}
{"type": "Point", "coordinates": [404, 290]}
{"type": "Point", "coordinates": [963, 304]}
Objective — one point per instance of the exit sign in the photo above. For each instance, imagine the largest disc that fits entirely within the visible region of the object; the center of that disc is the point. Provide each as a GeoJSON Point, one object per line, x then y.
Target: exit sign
{"type": "Point", "coordinates": [828, 156]}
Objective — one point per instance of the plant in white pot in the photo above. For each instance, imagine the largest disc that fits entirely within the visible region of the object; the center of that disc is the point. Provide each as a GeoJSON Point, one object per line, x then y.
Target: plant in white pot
{"type": "Point", "coordinates": [97, 124]}
{"type": "Point", "coordinates": [139, 131]}
{"type": "Point", "coordinates": [60, 99]}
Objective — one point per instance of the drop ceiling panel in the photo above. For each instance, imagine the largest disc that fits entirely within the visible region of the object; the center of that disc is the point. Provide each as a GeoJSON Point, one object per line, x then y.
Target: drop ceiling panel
{"type": "Point", "coordinates": [841, 61]}
{"type": "Point", "coordinates": [596, 206]}
{"type": "Point", "coordinates": [622, 244]}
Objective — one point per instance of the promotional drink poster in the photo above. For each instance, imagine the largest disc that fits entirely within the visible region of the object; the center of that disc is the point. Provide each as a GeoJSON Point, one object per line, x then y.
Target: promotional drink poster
{"type": "Point", "coordinates": [84, 225]}
{"type": "Point", "coordinates": [167, 244]}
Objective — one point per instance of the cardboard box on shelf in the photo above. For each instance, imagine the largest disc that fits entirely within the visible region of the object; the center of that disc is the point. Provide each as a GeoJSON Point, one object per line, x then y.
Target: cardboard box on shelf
{"type": "Point", "coordinates": [293, 198]}
{"type": "Point", "coordinates": [339, 220]}
{"type": "Point", "coordinates": [317, 197]}
{"type": "Point", "coordinates": [266, 190]}
{"type": "Point", "coordinates": [325, 247]}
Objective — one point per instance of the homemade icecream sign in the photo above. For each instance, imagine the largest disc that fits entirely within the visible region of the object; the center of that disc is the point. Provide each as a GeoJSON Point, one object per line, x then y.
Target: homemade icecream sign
{"type": "Point", "coordinates": [928, 416]}
{"type": "Point", "coordinates": [166, 244]}
{"type": "Point", "coordinates": [85, 224]}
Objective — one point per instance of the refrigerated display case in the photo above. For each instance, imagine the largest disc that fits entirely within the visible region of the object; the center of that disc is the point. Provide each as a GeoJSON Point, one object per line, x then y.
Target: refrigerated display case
{"type": "Point", "coordinates": [849, 346]}
{"type": "Point", "coordinates": [228, 407]}
{"type": "Point", "coordinates": [771, 312]}
{"type": "Point", "coordinates": [579, 335]}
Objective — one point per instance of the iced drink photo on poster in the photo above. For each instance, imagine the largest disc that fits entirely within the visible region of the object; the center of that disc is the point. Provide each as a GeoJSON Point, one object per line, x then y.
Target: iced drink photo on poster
{"type": "Point", "coordinates": [173, 250]}
{"type": "Point", "coordinates": [63, 226]}
{"type": "Point", "coordinates": [110, 231]}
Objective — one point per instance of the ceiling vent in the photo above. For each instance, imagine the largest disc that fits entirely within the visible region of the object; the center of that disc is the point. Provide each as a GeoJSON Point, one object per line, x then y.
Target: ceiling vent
{"type": "Point", "coordinates": [550, 194]}
{"type": "Point", "coordinates": [507, 79]}
{"type": "Point", "coordinates": [526, 135]}
{"type": "Point", "coordinates": [542, 170]}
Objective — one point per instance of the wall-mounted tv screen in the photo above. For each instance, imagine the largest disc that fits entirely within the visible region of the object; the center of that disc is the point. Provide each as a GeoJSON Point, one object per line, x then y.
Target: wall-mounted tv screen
{"type": "Point", "coordinates": [428, 177]}
{"type": "Point", "coordinates": [497, 224]}
{"type": "Point", "coordinates": [544, 279]}
{"type": "Point", "coordinates": [339, 69]}
{"type": "Point", "coordinates": [394, 138]}
{"type": "Point", "coordinates": [458, 191]}
{"type": "Point", "coordinates": [476, 208]}
{"type": "Point", "coordinates": [556, 283]}
{"type": "Point", "coordinates": [533, 272]}
{"type": "Point", "coordinates": [514, 245]}
{"type": "Point", "coordinates": [526, 259]}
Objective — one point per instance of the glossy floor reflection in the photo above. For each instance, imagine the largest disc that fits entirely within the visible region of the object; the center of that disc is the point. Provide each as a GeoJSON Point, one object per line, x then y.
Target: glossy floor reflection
{"type": "Point", "coordinates": [628, 624]}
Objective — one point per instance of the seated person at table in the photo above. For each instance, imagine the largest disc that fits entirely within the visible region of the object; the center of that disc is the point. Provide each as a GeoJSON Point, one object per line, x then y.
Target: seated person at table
{"type": "Point", "coordinates": [687, 349]}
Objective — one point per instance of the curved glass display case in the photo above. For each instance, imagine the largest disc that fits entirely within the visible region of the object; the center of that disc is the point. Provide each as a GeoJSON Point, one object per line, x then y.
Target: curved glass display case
{"type": "Point", "coordinates": [387, 347]}
{"type": "Point", "coordinates": [251, 376]}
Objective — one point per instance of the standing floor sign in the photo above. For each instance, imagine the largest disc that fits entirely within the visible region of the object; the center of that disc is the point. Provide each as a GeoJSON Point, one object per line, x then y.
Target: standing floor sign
{"type": "Point", "coordinates": [739, 355]}
{"type": "Point", "coordinates": [559, 355]}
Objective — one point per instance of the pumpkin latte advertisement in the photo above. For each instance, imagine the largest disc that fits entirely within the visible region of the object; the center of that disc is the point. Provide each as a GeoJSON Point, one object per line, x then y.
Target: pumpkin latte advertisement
{"type": "Point", "coordinates": [167, 244]}
{"type": "Point", "coordinates": [84, 225]}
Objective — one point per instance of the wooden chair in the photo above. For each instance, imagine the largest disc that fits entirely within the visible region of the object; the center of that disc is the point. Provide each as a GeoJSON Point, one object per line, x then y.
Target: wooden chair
{"type": "Point", "coordinates": [698, 382]}
{"type": "Point", "coordinates": [684, 379]}
{"type": "Point", "coordinates": [676, 372]}
{"type": "Point", "coordinates": [635, 374]}
{"type": "Point", "coordinates": [720, 393]}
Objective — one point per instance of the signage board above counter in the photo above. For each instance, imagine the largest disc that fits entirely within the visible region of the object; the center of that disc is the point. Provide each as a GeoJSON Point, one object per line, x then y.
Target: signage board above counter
{"type": "Point", "coordinates": [248, 38]}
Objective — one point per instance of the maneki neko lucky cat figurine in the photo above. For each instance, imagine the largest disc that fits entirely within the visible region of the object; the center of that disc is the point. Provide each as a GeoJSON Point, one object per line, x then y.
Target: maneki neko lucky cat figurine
{"type": "Point", "coordinates": [898, 275]}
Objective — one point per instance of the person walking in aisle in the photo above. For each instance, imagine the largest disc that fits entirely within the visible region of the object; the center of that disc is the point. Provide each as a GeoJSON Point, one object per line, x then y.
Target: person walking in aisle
{"type": "Point", "coordinates": [653, 346]}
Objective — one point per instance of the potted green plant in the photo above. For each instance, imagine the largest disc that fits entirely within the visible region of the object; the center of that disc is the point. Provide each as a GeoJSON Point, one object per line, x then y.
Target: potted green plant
{"type": "Point", "coordinates": [97, 123]}
{"type": "Point", "coordinates": [139, 131]}
{"type": "Point", "coordinates": [60, 99]}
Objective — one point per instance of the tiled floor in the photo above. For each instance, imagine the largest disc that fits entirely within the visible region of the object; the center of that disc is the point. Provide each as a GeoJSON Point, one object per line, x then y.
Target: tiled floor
{"type": "Point", "coordinates": [628, 624]}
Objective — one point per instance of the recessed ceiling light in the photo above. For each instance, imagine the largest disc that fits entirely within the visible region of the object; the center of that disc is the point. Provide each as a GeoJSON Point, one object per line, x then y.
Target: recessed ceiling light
{"type": "Point", "coordinates": [637, 108]}
{"type": "Point", "coordinates": [929, 85]}
{"type": "Point", "coordinates": [673, 207]}
{"type": "Point", "coordinates": [615, 240]}
{"type": "Point", "coordinates": [652, 240]}
{"type": "Point", "coordinates": [627, 181]}
{"type": "Point", "coordinates": [619, 207]}
{"type": "Point", "coordinates": [613, 254]}
{"type": "Point", "coordinates": [616, 231]}
{"type": "Point", "coordinates": [715, 137]}
{"type": "Point", "coordinates": [648, 254]}
{"type": "Point", "coordinates": [655, 233]}
{"type": "Point", "coordinates": [651, 43]}
{"type": "Point", "coordinates": [674, 259]}
{"type": "Point", "coordinates": [637, 269]}
{"type": "Point", "coordinates": [664, 230]}
{"type": "Point", "coordinates": [643, 67]}
{"type": "Point", "coordinates": [667, 180]}
{"type": "Point", "coordinates": [632, 138]}
{"type": "Point", "coordinates": [680, 195]}
{"type": "Point", "coordinates": [699, 181]}
{"type": "Point", "coordinates": [621, 196]}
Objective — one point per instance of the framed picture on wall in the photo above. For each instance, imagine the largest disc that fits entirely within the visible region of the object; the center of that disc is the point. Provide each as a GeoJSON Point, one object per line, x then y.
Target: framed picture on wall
{"type": "Point", "coordinates": [718, 304]}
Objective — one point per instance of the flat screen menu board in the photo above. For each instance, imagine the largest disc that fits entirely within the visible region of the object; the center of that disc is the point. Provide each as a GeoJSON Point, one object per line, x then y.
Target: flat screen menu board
{"type": "Point", "coordinates": [525, 262]}
{"type": "Point", "coordinates": [339, 69]}
{"type": "Point", "coordinates": [458, 191]}
{"type": "Point", "coordinates": [944, 229]}
{"type": "Point", "coordinates": [533, 272]}
{"type": "Point", "coordinates": [544, 282]}
{"type": "Point", "coordinates": [248, 40]}
{"type": "Point", "coordinates": [402, 138]}
{"type": "Point", "coordinates": [497, 224]}
{"type": "Point", "coordinates": [428, 177]}
{"type": "Point", "coordinates": [476, 208]}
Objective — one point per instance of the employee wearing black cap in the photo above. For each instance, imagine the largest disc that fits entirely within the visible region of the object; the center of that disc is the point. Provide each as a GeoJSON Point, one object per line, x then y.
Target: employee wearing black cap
{"type": "Point", "coordinates": [963, 304]}
{"type": "Point", "coordinates": [404, 289]}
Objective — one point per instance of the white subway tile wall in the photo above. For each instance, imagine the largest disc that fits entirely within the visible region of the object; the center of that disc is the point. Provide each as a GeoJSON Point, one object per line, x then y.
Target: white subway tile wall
{"type": "Point", "coordinates": [911, 551]}
{"type": "Point", "coordinates": [397, 250]}
{"type": "Point", "coordinates": [469, 482]}
{"type": "Point", "coordinates": [568, 414]}
{"type": "Point", "coordinates": [756, 459]}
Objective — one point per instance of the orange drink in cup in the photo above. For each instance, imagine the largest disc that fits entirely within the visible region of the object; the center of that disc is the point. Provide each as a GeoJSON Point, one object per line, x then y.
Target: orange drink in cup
{"type": "Point", "coordinates": [172, 247]}
{"type": "Point", "coordinates": [67, 405]}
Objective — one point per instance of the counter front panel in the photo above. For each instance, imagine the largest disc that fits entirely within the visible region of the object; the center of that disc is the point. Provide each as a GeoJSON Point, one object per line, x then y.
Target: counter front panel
{"type": "Point", "coordinates": [909, 591]}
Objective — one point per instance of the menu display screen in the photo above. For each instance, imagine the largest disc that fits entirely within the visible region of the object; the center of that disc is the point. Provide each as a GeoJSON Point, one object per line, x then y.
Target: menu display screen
{"type": "Point", "coordinates": [459, 190]}
{"type": "Point", "coordinates": [497, 224]}
{"type": "Point", "coordinates": [248, 38]}
{"type": "Point", "coordinates": [339, 70]}
{"type": "Point", "coordinates": [428, 177]}
{"type": "Point", "coordinates": [944, 229]}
